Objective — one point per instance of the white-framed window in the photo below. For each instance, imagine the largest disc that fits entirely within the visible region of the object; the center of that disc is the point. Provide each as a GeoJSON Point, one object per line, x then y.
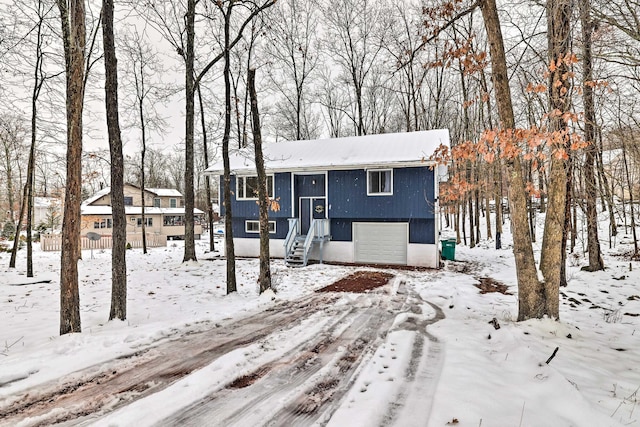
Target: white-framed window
{"type": "Point", "coordinates": [254, 227]}
{"type": "Point", "coordinates": [156, 202]}
{"type": "Point", "coordinates": [247, 187]}
{"type": "Point", "coordinates": [380, 182]}
{"type": "Point", "coordinates": [173, 203]}
{"type": "Point", "coordinates": [148, 220]}
{"type": "Point", "coordinates": [103, 223]}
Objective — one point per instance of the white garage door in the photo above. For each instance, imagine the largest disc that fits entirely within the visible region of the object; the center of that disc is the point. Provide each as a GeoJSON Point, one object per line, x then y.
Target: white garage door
{"type": "Point", "coordinates": [380, 242]}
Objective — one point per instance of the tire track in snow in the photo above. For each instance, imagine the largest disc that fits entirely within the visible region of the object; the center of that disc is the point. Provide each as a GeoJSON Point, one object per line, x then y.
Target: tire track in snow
{"type": "Point", "coordinates": [101, 389]}
{"type": "Point", "coordinates": [304, 386]}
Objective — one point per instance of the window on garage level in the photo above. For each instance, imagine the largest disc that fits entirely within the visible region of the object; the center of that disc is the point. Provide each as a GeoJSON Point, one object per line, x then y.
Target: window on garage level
{"type": "Point", "coordinates": [380, 182]}
{"type": "Point", "coordinates": [148, 221]}
{"type": "Point", "coordinates": [254, 226]}
{"type": "Point", "coordinates": [247, 187]}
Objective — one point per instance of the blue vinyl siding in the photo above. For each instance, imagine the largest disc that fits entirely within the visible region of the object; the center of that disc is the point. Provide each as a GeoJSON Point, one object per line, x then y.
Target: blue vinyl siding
{"type": "Point", "coordinates": [348, 202]}
{"type": "Point", "coordinates": [412, 187]}
{"type": "Point", "coordinates": [248, 209]}
{"type": "Point", "coordinates": [238, 224]}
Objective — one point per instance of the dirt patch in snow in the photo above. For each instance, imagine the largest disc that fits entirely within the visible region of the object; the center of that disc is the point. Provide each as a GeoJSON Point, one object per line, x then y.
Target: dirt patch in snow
{"type": "Point", "coordinates": [488, 285]}
{"type": "Point", "coordinates": [360, 281]}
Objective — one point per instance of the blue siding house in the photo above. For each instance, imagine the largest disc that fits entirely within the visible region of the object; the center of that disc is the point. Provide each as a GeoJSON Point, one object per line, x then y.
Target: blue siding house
{"type": "Point", "coordinates": [368, 199]}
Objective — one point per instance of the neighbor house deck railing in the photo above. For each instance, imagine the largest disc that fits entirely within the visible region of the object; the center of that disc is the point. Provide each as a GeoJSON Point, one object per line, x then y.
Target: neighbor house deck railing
{"type": "Point", "coordinates": [53, 242]}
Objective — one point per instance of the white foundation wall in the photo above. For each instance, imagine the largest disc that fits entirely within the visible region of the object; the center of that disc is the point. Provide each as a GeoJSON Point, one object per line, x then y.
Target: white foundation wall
{"type": "Point", "coordinates": [418, 255]}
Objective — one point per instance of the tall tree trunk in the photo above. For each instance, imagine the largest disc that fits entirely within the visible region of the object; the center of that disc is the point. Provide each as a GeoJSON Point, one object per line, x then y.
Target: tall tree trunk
{"type": "Point", "coordinates": [18, 227]}
{"type": "Point", "coordinates": [189, 197]}
{"type": "Point", "coordinates": [613, 228]}
{"type": "Point", "coordinates": [552, 256]}
{"type": "Point", "coordinates": [38, 81]}
{"type": "Point", "coordinates": [590, 185]}
{"type": "Point", "coordinates": [228, 229]}
{"type": "Point", "coordinates": [72, 17]}
{"type": "Point", "coordinates": [118, 251]}
{"type": "Point", "coordinates": [143, 181]}
{"type": "Point", "coordinates": [530, 300]}
{"type": "Point", "coordinates": [264, 280]}
{"type": "Point", "coordinates": [631, 203]}
{"type": "Point", "coordinates": [207, 178]}
{"type": "Point", "coordinates": [497, 182]}
{"type": "Point", "coordinates": [29, 189]}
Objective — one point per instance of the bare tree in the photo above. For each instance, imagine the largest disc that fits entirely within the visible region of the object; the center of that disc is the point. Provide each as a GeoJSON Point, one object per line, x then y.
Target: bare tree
{"type": "Point", "coordinates": [118, 251]}
{"type": "Point", "coordinates": [72, 17]}
{"type": "Point", "coordinates": [354, 29]}
{"type": "Point", "coordinates": [590, 185]}
{"type": "Point", "coordinates": [293, 50]}
{"type": "Point", "coordinates": [553, 251]}
{"type": "Point", "coordinates": [142, 68]}
{"type": "Point", "coordinates": [529, 288]}
{"type": "Point", "coordinates": [264, 280]}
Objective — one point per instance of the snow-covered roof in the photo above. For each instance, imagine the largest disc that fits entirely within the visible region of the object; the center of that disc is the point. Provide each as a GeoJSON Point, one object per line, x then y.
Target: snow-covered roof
{"type": "Point", "coordinates": [45, 202]}
{"type": "Point", "coordinates": [389, 149]}
{"type": "Point", "coordinates": [135, 210]}
{"type": "Point", "coordinates": [165, 192]}
{"type": "Point", "coordinates": [97, 195]}
{"type": "Point", "coordinates": [160, 192]}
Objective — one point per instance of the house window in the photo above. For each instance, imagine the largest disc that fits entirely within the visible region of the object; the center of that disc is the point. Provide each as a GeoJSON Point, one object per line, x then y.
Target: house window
{"type": "Point", "coordinates": [156, 202]}
{"type": "Point", "coordinates": [380, 182]}
{"type": "Point", "coordinates": [128, 201]}
{"type": "Point", "coordinates": [247, 187]}
{"type": "Point", "coordinates": [173, 203]}
{"type": "Point", "coordinates": [173, 220]}
{"type": "Point", "coordinates": [103, 223]}
{"type": "Point", "coordinates": [148, 221]}
{"type": "Point", "coordinates": [254, 227]}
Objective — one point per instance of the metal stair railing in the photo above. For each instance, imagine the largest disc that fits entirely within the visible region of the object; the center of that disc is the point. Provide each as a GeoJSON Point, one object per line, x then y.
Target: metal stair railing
{"type": "Point", "coordinates": [318, 232]}
{"type": "Point", "coordinates": [294, 231]}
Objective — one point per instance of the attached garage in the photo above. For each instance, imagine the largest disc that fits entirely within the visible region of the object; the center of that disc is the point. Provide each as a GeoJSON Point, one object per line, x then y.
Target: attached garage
{"type": "Point", "coordinates": [380, 242]}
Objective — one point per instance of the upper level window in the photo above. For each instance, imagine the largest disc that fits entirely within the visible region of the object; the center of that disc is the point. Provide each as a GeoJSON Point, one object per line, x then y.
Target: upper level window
{"type": "Point", "coordinates": [128, 201]}
{"type": "Point", "coordinates": [247, 187]}
{"type": "Point", "coordinates": [380, 182]}
{"type": "Point", "coordinates": [156, 202]}
{"type": "Point", "coordinates": [173, 203]}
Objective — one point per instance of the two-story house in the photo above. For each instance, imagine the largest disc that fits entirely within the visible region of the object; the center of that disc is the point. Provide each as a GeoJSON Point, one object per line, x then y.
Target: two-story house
{"type": "Point", "coordinates": [164, 213]}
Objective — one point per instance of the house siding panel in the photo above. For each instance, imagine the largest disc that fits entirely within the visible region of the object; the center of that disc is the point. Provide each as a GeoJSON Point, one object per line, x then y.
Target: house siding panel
{"type": "Point", "coordinates": [412, 187]}
{"type": "Point", "coordinates": [282, 227]}
{"type": "Point", "coordinates": [248, 209]}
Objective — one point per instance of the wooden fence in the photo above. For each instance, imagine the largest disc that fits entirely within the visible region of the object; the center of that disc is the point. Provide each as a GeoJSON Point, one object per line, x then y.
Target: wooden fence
{"type": "Point", "coordinates": [53, 242]}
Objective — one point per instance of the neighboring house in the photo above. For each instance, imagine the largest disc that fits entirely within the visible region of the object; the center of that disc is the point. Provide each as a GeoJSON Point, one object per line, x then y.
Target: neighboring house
{"type": "Point", "coordinates": [369, 199]}
{"type": "Point", "coordinates": [47, 211]}
{"type": "Point", "coordinates": [164, 212]}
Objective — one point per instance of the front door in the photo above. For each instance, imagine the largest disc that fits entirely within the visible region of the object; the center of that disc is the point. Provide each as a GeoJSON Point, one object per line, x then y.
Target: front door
{"type": "Point", "coordinates": [311, 199]}
{"type": "Point", "coordinates": [311, 208]}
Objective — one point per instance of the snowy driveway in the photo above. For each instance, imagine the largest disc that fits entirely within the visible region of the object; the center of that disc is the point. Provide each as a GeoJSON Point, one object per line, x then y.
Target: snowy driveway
{"type": "Point", "coordinates": [324, 359]}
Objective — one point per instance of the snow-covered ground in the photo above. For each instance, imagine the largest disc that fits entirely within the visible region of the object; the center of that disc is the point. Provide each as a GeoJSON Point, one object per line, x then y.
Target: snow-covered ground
{"type": "Point", "coordinates": [470, 374]}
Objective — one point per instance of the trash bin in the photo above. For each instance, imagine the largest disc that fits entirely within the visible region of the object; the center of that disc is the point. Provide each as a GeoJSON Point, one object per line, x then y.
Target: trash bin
{"type": "Point", "coordinates": [449, 249]}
